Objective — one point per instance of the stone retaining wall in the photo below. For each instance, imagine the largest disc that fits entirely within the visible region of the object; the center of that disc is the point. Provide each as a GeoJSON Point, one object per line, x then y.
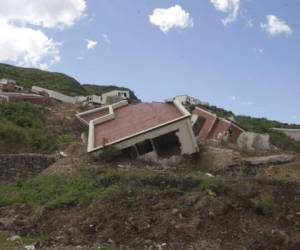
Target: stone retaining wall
{"type": "Point", "coordinates": [23, 166]}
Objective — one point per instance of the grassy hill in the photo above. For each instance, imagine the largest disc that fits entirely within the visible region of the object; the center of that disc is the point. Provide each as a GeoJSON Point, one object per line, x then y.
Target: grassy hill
{"type": "Point", "coordinates": [27, 77]}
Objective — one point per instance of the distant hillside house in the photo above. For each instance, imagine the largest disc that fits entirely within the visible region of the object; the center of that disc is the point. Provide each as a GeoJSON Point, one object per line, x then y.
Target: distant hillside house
{"type": "Point", "coordinates": [207, 125]}
{"type": "Point", "coordinates": [105, 99]}
{"type": "Point", "coordinates": [23, 97]}
{"type": "Point", "coordinates": [9, 85]}
{"type": "Point", "coordinates": [53, 94]}
{"type": "Point", "coordinates": [292, 133]}
{"type": "Point", "coordinates": [149, 130]}
{"type": "Point", "coordinates": [189, 100]}
{"type": "Point", "coordinates": [115, 96]}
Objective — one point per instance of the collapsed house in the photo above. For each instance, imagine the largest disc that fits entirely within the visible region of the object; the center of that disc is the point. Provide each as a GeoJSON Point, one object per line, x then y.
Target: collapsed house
{"type": "Point", "coordinates": [207, 126]}
{"type": "Point", "coordinates": [23, 97]}
{"type": "Point", "coordinates": [187, 100]}
{"type": "Point", "coordinates": [104, 99]}
{"type": "Point", "coordinates": [150, 130]}
{"type": "Point", "coordinates": [53, 94]}
{"type": "Point", "coordinates": [107, 98]}
{"type": "Point", "coordinates": [9, 85]}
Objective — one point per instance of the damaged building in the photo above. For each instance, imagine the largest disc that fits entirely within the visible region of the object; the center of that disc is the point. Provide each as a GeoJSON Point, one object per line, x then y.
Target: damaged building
{"type": "Point", "coordinates": [23, 97]}
{"type": "Point", "coordinates": [208, 126]}
{"type": "Point", "coordinates": [149, 130]}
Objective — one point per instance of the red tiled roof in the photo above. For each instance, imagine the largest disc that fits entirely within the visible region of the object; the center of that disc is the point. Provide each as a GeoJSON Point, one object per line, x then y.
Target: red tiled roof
{"type": "Point", "coordinates": [134, 119]}
{"type": "Point", "coordinates": [93, 115]}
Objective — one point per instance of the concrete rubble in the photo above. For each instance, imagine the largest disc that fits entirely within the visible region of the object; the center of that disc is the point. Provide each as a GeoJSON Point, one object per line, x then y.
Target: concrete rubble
{"type": "Point", "coordinates": [250, 141]}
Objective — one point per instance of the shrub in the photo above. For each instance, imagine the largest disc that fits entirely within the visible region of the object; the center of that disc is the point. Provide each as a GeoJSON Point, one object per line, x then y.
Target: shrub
{"type": "Point", "coordinates": [264, 203]}
{"type": "Point", "coordinates": [282, 141]}
{"type": "Point", "coordinates": [108, 154]}
{"type": "Point", "coordinates": [22, 130]}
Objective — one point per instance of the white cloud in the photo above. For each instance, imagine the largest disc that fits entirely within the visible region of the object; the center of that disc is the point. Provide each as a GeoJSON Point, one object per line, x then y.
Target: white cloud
{"type": "Point", "coordinates": [275, 26]}
{"type": "Point", "coordinates": [233, 98]}
{"type": "Point", "coordinates": [258, 50]}
{"type": "Point", "coordinates": [106, 38]}
{"type": "Point", "coordinates": [247, 103]}
{"type": "Point", "coordinates": [50, 14]}
{"type": "Point", "coordinates": [22, 42]}
{"type": "Point", "coordinates": [231, 7]}
{"type": "Point", "coordinates": [27, 47]}
{"type": "Point", "coordinates": [90, 44]}
{"type": "Point", "coordinates": [249, 23]}
{"type": "Point", "coordinates": [173, 17]}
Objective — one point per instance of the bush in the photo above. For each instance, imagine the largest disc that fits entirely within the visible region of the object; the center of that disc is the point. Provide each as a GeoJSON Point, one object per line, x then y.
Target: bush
{"type": "Point", "coordinates": [264, 203]}
{"type": "Point", "coordinates": [22, 130]}
{"type": "Point", "coordinates": [282, 141]}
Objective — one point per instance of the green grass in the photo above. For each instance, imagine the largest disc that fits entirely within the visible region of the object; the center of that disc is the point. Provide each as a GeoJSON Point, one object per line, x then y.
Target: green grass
{"type": "Point", "coordinates": [58, 191]}
{"type": "Point", "coordinates": [23, 130]}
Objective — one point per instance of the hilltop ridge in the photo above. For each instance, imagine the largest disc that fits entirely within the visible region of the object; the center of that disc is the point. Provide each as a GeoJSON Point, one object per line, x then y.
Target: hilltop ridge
{"type": "Point", "coordinates": [27, 77]}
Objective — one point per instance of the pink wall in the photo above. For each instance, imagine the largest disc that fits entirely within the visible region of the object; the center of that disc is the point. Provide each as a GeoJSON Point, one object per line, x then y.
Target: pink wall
{"type": "Point", "coordinates": [34, 100]}
{"type": "Point", "coordinates": [236, 132]}
{"type": "Point", "coordinates": [215, 128]}
{"type": "Point", "coordinates": [219, 129]}
{"type": "Point", "coordinates": [210, 120]}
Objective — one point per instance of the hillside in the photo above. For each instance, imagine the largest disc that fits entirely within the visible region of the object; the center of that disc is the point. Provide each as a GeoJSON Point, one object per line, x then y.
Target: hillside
{"type": "Point", "coordinates": [26, 128]}
{"type": "Point", "coordinates": [27, 77]}
{"type": "Point", "coordinates": [107, 207]}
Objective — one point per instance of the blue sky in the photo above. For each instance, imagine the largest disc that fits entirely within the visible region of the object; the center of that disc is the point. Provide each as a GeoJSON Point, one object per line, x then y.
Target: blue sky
{"type": "Point", "coordinates": [248, 64]}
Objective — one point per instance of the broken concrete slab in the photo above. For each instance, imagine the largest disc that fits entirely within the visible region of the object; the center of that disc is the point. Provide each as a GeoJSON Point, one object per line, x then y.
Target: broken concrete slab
{"type": "Point", "coordinates": [269, 160]}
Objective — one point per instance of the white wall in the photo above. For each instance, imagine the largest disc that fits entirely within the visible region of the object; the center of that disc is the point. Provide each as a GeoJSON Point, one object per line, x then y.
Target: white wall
{"type": "Point", "coordinates": [55, 95]}
{"type": "Point", "coordinates": [115, 93]}
{"type": "Point", "coordinates": [95, 99]}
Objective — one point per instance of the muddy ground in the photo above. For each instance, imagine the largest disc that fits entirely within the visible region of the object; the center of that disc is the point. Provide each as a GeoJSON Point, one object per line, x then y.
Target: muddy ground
{"type": "Point", "coordinates": [257, 212]}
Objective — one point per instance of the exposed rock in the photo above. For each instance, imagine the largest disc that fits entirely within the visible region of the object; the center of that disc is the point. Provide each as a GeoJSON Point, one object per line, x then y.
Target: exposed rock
{"type": "Point", "coordinates": [14, 238]}
{"type": "Point", "coordinates": [30, 247]}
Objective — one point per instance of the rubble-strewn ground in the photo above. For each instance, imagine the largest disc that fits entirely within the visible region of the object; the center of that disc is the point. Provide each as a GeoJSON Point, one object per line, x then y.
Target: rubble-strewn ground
{"type": "Point", "coordinates": [123, 206]}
